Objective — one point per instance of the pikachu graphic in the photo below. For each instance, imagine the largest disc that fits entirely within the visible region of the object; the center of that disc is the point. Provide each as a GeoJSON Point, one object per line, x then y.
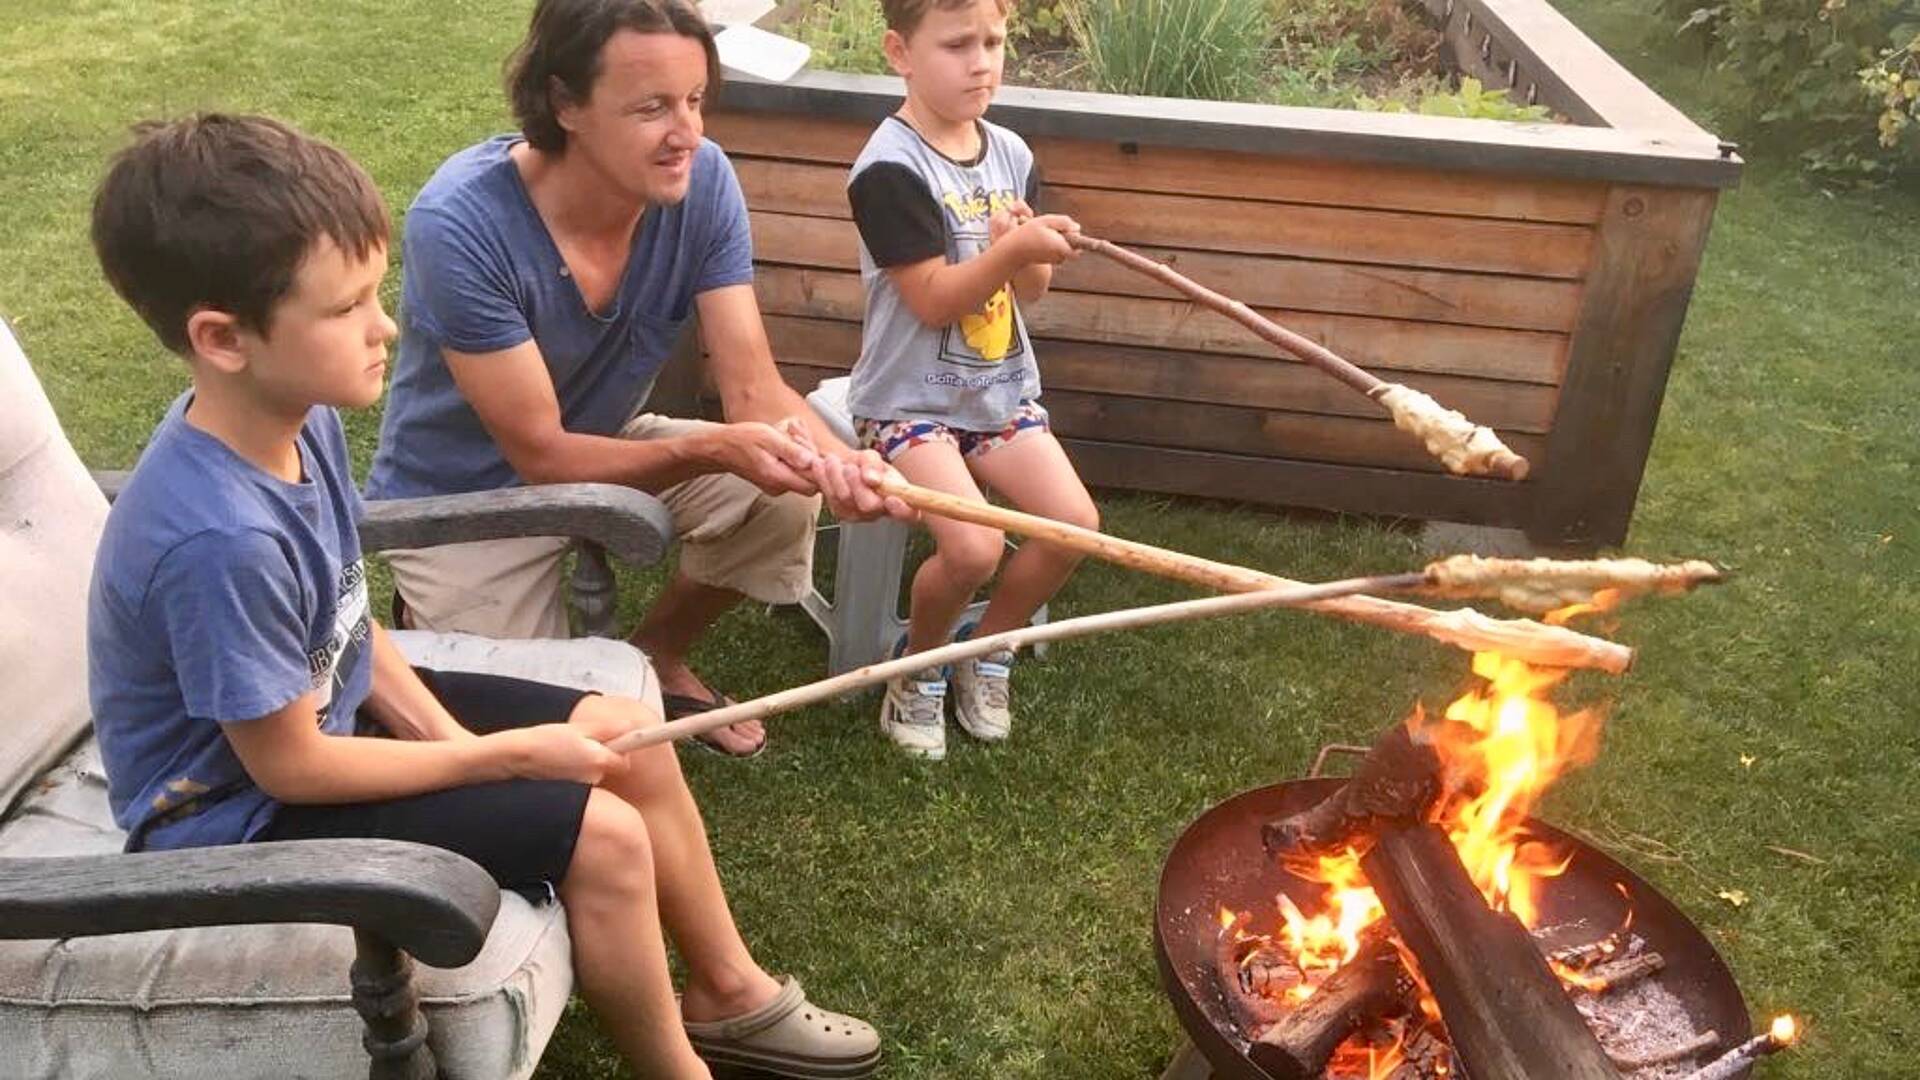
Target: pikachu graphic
{"type": "Point", "coordinates": [990, 331]}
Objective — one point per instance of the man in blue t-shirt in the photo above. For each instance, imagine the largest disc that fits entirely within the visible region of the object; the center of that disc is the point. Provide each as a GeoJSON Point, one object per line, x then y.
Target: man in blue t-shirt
{"type": "Point", "coordinates": [548, 275]}
{"type": "Point", "coordinates": [241, 690]}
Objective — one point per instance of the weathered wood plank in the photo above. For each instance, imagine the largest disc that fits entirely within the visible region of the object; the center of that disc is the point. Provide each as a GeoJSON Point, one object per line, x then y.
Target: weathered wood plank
{"type": "Point", "coordinates": [1308, 285]}
{"type": "Point", "coordinates": [1636, 299]}
{"type": "Point", "coordinates": [1435, 142]}
{"type": "Point", "coordinates": [1131, 166]}
{"type": "Point", "coordinates": [1271, 433]}
{"type": "Point", "coordinates": [1519, 303]}
{"type": "Point", "coordinates": [1371, 236]}
{"type": "Point", "coordinates": [1224, 429]}
{"type": "Point", "coordinates": [1384, 237]}
{"type": "Point", "coordinates": [1315, 485]}
{"type": "Point", "coordinates": [1387, 344]}
{"type": "Point", "coordinates": [1162, 375]}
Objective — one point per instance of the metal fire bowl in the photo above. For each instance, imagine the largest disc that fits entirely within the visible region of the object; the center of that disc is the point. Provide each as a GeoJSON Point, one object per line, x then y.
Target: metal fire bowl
{"type": "Point", "coordinates": [1219, 862]}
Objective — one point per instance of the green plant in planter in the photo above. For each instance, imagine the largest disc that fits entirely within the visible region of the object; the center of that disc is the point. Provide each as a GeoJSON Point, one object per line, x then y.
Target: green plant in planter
{"type": "Point", "coordinates": [843, 36]}
{"type": "Point", "coordinates": [1213, 49]}
{"type": "Point", "coordinates": [1471, 100]}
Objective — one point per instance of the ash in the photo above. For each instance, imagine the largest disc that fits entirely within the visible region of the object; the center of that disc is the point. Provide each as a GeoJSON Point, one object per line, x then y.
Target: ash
{"type": "Point", "coordinates": [1643, 1021]}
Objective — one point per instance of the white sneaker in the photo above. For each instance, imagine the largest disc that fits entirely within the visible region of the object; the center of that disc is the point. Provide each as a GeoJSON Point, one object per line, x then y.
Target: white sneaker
{"type": "Point", "coordinates": [914, 713]}
{"type": "Point", "coordinates": [983, 705]}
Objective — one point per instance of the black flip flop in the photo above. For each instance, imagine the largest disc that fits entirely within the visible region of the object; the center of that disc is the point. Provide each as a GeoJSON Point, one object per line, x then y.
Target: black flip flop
{"type": "Point", "coordinates": [679, 705]}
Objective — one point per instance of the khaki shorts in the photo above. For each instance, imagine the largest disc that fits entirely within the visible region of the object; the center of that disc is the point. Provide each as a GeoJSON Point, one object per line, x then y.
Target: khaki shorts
{"type": "Point", "coordinates": [732, 536]}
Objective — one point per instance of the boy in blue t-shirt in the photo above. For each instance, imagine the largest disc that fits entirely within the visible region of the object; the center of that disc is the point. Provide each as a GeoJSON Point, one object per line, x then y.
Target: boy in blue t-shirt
{"type": "Point", "coordinates": [241, 690]}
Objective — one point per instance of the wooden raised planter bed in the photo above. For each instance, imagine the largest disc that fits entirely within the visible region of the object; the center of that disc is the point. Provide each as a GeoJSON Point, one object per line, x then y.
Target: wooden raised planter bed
{"type": "Point", "coordinates": [1534, 276]}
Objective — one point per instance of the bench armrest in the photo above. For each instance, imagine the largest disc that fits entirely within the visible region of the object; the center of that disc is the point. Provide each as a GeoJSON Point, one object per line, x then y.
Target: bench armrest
{"type": "Point", "coordinates": [633, 526]}
{"type": "Point", "coordinates": [429, 902]}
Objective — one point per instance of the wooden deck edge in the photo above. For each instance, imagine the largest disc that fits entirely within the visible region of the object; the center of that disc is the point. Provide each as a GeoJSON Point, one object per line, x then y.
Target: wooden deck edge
{"type": "Point", "coordinates": [1560, 150]}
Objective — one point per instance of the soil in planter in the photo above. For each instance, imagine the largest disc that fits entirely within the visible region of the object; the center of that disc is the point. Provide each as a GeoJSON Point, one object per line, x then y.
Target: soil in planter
{"type": "Point", "coordinates": [1366, 54]}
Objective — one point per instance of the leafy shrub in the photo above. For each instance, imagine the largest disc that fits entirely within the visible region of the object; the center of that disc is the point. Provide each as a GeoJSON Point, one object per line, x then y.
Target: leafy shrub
{"type": "Point", "coordinates": [1895, 82]}
{"type": "Point", "coordinates": [1794, 72]}
{"type": "Point", "coordinates": [1472, 100]}
{"type": "Point", "coordinates": [1215, 49]}
{"type": "Point", "coordinates": [844, 36]}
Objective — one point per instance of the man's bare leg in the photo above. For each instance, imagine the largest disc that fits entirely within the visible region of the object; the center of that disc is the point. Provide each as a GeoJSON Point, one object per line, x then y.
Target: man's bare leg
{"type": "Point", "coordinates": [618, 952]}
{"type": "Point", "coordinates": [723, 979]}
{"type": "Point", "coordinates": [685, 610]}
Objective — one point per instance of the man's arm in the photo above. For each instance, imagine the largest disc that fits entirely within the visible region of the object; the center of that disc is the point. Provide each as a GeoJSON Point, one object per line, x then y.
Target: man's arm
{"type": "Point", "coordinates": [512, 393]}
{"type": "Point", "coordinates": [291, 759]}
{"type": "Point", "coordinates": [400, 701]}
{"type": "Point", "coordinates": [740, 360]}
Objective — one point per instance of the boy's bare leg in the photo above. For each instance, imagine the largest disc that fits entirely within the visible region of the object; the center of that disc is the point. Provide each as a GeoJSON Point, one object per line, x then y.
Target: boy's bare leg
{"type": "Point", "coordinates": [1033, 473]}
{"type": "Point", "coordinates": [685, 610]}
{"type": "Point", "coordinates": [964, 555]}
{"type": "Point", "coordinates": [723, 980]}
{"type": "Point", "coordinates": [618, 952]}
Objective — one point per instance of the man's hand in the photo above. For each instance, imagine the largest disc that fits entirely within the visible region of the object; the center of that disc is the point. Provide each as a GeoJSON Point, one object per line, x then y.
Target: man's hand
{"type": "Point", "coordinates": [841, 475]}
{"type": "Point", "coordinates": [767, 456]}
{"type": "Point", "coordinates": [559, 752]}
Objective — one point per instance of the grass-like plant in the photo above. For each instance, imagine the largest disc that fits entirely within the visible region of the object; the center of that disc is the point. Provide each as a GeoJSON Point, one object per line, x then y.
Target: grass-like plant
{"type": "Point", "coordinates": [1215, 49]}
{"type": "Point", "coordinates": [844, 37]}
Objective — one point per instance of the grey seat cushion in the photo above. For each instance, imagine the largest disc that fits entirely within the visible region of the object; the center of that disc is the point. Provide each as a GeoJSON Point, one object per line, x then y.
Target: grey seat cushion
{"type": "Point", "coordinates": [50, 519]}
{"type": "Point", "coordinates": [272, 1001]}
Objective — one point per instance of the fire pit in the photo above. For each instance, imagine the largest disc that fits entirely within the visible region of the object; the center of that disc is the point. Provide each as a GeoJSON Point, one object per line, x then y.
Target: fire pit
{"type": "Point", "coordinates": [1416, 923]}
{"type": "Point", "coordinates": [1219, 863]}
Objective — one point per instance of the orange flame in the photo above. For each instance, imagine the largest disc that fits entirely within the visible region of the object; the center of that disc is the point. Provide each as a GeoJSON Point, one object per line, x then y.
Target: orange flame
{"type": "Point", "coordinates": [1784, 1030]}
{"type": "Point", "coordinates": [1501, 745]}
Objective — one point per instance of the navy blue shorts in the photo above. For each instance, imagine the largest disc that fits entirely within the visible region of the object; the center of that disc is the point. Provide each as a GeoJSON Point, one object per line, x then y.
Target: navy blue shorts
{"type": "Point", "coordinates": [520, 831]}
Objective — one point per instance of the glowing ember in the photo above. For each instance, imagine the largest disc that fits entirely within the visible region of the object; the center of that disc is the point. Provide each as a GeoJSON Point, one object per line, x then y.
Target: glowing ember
{"type": "Point", "coordinates": [1784, 1030]}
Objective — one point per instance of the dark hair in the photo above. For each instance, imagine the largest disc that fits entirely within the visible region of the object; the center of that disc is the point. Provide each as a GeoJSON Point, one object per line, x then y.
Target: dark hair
{"type": "Point", "coordinates": [903, 16]}
{"type": "Point", "coordinates": [217, 211]}
{"type": "Point", "coordinates": [561, 53]}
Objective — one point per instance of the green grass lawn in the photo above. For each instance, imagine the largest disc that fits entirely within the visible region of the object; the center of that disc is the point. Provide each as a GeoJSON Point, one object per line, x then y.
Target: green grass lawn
{"type": "Point", "coordinates": [992, 914]}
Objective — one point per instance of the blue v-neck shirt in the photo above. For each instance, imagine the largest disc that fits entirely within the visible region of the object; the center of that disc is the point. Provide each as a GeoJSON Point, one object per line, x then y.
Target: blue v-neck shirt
{"type": "Point", "coordinates": [481, 273]}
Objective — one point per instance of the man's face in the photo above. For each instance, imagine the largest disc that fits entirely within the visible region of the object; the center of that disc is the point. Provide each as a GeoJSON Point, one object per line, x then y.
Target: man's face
{"type": "Point", "coordinates": [326, 341]}
{"type": "Point", "coordinates": [641, 124]}
{"type": "Point", "coordinates": [953, 60]}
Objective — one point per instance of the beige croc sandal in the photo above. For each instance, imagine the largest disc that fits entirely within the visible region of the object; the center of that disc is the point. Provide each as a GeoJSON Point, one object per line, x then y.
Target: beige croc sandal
{"type": "Point", "coordinates": [788, 1036]}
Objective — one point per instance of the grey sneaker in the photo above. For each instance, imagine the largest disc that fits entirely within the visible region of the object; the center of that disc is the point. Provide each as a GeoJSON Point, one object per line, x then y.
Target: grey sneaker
{"type": "Point", "coordinates": [913, 714]}
{"type": "Point", "coordinates": [982, 703]}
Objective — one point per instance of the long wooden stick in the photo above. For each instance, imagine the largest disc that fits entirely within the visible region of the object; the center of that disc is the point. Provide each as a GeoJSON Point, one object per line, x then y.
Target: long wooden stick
{"type": "Point", "coordinates": [1548, 646]}
{"type": "Point", "coordinates": [1292, 595]}
{"type": "Point", "coordinates": [1461, 445]}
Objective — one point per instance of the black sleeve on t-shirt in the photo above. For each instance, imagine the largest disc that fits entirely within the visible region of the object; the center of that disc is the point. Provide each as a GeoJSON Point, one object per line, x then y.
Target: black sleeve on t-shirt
{"type": "Point", "coordinates": [897, 214]}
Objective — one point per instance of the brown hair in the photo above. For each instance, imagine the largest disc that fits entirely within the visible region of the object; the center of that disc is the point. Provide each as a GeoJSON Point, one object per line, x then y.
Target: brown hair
{"type": "Point", "coordinates": [561, 53]}
{"type": "Point", "coordinates": [217, 211]}
{"type": "Point", "coordinates": [903, 16]}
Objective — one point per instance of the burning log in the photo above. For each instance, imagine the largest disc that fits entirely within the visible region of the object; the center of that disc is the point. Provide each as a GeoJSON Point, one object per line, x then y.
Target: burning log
{"type": "Point", "coordinates": [1699, 1044]}
{"type": "Point", "coordinates": [1506, 1014]}
{"type": "Point", "coordinates": [1397, 781]}
{"type": "Point", "coordinates": [1374, 985]}
{"type": "Point", "coordinates": [1609, 977]}
{"type": "Point", "coordinates": [1742, 1057]}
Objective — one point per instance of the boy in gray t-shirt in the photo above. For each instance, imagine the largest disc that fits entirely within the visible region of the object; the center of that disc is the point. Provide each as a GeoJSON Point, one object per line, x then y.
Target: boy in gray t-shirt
{"type": "Point", "coordinates": [946, 388]}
